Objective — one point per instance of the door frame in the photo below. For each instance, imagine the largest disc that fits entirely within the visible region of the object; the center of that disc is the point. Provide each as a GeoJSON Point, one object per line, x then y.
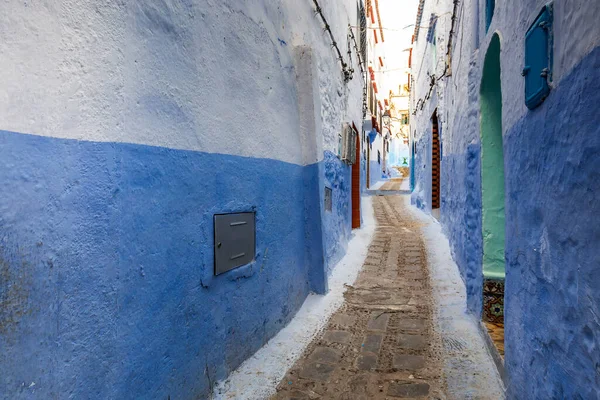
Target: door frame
{"type": "Point", "coordinates": [355, 195]}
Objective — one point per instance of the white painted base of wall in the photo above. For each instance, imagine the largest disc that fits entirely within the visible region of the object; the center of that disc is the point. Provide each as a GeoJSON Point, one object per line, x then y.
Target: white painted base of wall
{"type": "Point", "coordinates": [470, 370]}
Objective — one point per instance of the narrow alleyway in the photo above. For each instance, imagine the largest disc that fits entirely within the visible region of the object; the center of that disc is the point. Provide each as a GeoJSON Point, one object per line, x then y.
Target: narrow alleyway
{"type": "Point", "coordinates": [382, 343]}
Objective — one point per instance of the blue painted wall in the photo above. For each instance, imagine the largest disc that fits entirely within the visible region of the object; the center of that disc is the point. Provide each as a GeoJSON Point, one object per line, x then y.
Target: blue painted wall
{"type": "Point", "coordinates": [337, 223]}
{"type": "Point", "coordinates": [374, 170]}
{"type": "Point", "coordinates": [552, 293]}
{"type": "Point", "coordinates": [106, 264]}
{"type": "Point", "coordinates": [552, 329]}
{"type": "Point", "coordinates": [363, 165]}
{"type": "Point", "coordinates": [421, 195]}
{"type": "Point", "coordinates": [461, 218]}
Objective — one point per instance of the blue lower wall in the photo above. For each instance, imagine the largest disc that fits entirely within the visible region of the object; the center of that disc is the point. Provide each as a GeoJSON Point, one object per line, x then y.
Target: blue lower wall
{"type": "Point", "coordinates": [363, 167]}
{"type": "Point", "coordinates": [374, 172]}
{"type": "Point", "coordinates": [461, 218]}
{"type": "Point", "coordinates": [337, 223]}
{"type": "Point", "coordinates": [421, 195]}
{"type": "Point", "coordinates": [552, 292]}
{"type": "Point", "coordinates": [553, 259]}
{"type": "Point", "coordinates": [106, 265]}
{"type": "Point", "coordinates": [460, 206]}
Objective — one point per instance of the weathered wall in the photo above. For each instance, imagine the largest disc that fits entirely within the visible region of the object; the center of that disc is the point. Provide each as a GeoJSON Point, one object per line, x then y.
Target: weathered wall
{"type": "Point", "coordinates": [551, 159]}
{"type": "Point", "coordinates": [337, 223]}
{"type": "Point", "coordinates": [111, 252]}
{"type": "Point", "coordinates": [553, 262]}
{"type": "Point", "coordinates": [125, 128]}
{"type": "Point", "coordinates": [375, 166]}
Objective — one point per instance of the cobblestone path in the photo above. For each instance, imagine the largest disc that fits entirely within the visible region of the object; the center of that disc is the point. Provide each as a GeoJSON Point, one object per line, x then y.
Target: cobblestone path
{"type": "Point", "coordinates": [392, 184]}
{"type": "Point", "coordinates": [381, 343]}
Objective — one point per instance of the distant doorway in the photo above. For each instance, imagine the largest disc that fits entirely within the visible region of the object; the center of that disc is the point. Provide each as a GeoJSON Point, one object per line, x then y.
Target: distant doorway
{"type": "Point", "coordinates": [413, 152]}
{"type": "Point", "coordinates": [435, 164]}
{"type": "Point", "coordinates": [356, 183]}
{"type": "Point", "coordinates": [368, 161]}
{"type": "Point", "coordinates": [492, 195]}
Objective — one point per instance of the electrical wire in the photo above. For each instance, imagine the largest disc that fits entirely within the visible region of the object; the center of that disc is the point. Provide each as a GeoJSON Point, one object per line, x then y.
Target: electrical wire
{"type": "Point", "coordinates": [432, 78]}
{"type": "Point", "coordinates": [347, 72]}
{"type": "Point", "coordinates": [360, 61]}
{"type": "Point", "coordinates": [403, 29]}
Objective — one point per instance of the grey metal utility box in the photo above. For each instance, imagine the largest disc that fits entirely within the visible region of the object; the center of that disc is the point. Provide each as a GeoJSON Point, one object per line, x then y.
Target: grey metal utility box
{"type": "Point", "coordinates": [235, 240]}
{"type": "Point", "coordinates": [328, 199]}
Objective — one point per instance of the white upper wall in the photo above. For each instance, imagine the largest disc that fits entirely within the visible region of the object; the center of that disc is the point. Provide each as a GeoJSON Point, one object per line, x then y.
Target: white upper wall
{"type": "Point", "coordinates": [206, 75]}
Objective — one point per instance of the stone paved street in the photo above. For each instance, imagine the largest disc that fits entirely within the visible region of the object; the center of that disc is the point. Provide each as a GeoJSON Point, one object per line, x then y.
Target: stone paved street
{"type": "Point", "coordinates": [392, 184]}
{"type": "Point", "coordinates": [381, 343]}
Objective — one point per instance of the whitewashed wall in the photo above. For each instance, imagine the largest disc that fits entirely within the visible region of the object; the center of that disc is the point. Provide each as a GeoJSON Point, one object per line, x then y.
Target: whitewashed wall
{"type": "Point", "coordinates": [180, 74]}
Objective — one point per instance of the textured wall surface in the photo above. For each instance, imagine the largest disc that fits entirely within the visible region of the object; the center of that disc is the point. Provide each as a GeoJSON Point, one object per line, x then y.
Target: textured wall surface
{"type": "Point", "coordinates": [173, 73]}
{"type": "Point", "coordinates": [551, 159]}
{"type": "Point", "coordinates": [337, 224]}
{"type": "Point", "coordinates": [552, 293]}
{"type": "Point", "coordinates": [109, 252]}
{"type": "Point", "coordinates": [375, 167]}
{"type": "Point", "coordinates": [125, 127]}
{"type": "Point", "coordinates": [374, 172]}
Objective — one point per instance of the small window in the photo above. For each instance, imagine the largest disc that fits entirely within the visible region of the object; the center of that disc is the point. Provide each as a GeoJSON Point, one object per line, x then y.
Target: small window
{"type": "Point", "coordinates": [538, 59]}
{"type": "Point", "coordinates": [328, 199]}
{"type": "Point", "coordinates": [404, 118]}
{"type": "Point", "coordinates": [431, 38]}
{"type": "Point", "coordinates": [431, 28]}
{"type": "Point", "coordinates": [490, 5]}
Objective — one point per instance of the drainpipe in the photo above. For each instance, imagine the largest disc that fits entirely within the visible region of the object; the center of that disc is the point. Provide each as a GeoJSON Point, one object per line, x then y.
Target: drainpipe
{"type": "Point", "coordinates": [379, 20]}
{"type": "Point", "coordinates": [475, 25]}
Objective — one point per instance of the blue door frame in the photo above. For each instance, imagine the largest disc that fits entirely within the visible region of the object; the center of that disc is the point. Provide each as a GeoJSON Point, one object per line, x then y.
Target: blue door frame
{"type": "Point", "coordinates": [412, 166]}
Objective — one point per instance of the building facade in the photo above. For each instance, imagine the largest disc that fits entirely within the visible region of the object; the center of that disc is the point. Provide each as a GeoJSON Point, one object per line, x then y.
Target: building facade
{"type": "Point", "coordinates": [128, 131]}
{"type": "Point", "coordinates": [374, 142]}
{"type": "Point", "coordinates": [507, 147]}
{"type": "Point", "coordinates": [400, 128]}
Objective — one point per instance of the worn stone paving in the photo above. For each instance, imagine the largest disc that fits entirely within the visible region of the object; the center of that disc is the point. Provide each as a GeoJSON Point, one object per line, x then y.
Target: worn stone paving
{"type": "Point", "coordinates": [381, 343]}
{"type": "Point", "coordinates": [392, 184]}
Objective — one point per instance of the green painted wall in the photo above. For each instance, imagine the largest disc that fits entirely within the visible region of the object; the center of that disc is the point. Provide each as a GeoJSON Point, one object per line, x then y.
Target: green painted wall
{"type": "Point", "coordinates": [492, 164]}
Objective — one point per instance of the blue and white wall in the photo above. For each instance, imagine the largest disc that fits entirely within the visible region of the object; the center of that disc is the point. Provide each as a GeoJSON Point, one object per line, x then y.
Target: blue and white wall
{"type": "Point", "coordinates": [375, 161]}
{"type": "Point", "coordinates": [123, 129]}
{"type": "Point", "coordinates": [551, 163]}
{"type": "Point", "coordinates": [399, 154]}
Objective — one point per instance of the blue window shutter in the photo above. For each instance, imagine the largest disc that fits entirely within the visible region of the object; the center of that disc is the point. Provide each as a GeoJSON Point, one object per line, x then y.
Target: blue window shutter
{"type": "Point", "coordinates": [431, 30]}
{"type": "Point", "coordinates": [538, 56]}
{"type": "Point", "coordinates": [489, 13]}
